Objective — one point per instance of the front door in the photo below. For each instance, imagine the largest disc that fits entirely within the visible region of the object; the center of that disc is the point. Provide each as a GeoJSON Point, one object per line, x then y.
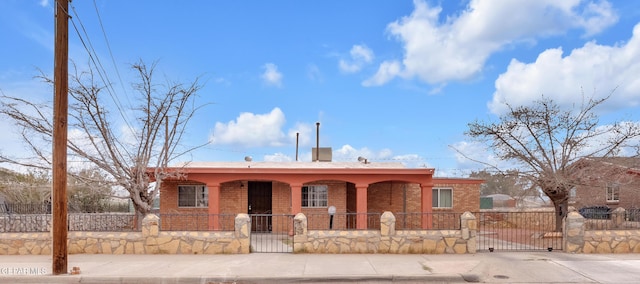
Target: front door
{"type": "Point", "coordinates": [259, 197]}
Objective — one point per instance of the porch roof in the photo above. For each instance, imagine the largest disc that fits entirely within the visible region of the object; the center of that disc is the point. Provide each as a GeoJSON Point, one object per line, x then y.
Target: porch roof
{"type": "Point", "coordinates": [298, 172]}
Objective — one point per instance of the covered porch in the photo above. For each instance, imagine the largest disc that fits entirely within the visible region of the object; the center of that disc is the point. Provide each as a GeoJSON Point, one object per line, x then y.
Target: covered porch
{"type": "Point", "coordinates": [287, 185]}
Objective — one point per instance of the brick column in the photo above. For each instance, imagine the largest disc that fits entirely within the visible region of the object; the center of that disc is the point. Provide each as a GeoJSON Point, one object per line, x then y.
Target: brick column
{"type": "Point", "coordinates": [361, 206]}
{"type": "Point", "coordinates": [214, 206]}
{"type": "Point", "coordinates": [426, 205]}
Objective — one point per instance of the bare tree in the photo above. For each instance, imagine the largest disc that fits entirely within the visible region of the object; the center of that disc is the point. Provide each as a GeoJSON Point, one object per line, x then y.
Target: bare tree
{"type": "Point", "coordinates": [152, 139]}
{"type": "Point", "coordinates": [33, 187]}
{"type": "Point", "coordinates": [499, 182]}
{"type": "Point", "coordinates": [544, 141]}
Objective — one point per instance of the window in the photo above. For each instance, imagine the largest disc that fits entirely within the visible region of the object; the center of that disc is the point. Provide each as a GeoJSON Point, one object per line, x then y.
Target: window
{"type": "Point", "coordinates": [613, 192]}
{"type": "Point", "coordinates": [442, 198]}
{"type": "Point", "coordinates": [314, 196]}
{"type": "Point", "coordinates": [193, 196]}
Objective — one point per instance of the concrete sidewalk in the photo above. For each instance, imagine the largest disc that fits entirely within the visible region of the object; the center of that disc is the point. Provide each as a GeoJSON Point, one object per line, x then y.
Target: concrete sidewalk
{"type": "Point", "coordinates": [497, 267]}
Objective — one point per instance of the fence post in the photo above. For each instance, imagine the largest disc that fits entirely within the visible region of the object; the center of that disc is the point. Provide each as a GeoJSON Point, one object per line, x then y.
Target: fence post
{"type": "Point", "coordinates": [299, 232]}
{"type": "Point", "coordinates": [573, 236]}
{"type": "Point", "coordinates": [243, 232]}
{"type": "Point", "coordinates": [469, 230]}
{"type": "Point", "coordinates": [617, 217]}
{"type": "Point", "coordinates": [150, 226]}
{"type": "Point", "coordinates": [387, 224]}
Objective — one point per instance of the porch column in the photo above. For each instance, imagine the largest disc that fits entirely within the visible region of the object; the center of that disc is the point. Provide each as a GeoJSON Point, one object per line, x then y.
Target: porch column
{"type": "Point", "coordinates": [361, 206]}
{"type": "Point", "coordinates": [296, 199]}
{"type": "Point", "coordinates": [214, 206]}
{"type": "Point", "coordinates": [426, 205]}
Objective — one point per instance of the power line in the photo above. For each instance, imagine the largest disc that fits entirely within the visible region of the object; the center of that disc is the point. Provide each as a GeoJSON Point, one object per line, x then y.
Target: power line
{"type": "Point", "coordinates": [96, 61]}
{"type": "Point", "coordinates": [113, 61]}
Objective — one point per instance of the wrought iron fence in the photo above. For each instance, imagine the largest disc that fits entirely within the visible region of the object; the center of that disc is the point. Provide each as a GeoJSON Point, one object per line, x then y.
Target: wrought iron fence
{"type": "Point", "coordinates": [632, 215]}
{"type": "Point", "coordinates": [45, 208]}
{"type": "Point", "coordinates": [105, 222]}
{"type": "Point", "coordinates": [342, 221]}
{"type": "Point", "coordinates": [498, 230]}
{"type": "Point", "coordinates": [196, 222]}
{"type": "Point", "coordinates": [433, 220]}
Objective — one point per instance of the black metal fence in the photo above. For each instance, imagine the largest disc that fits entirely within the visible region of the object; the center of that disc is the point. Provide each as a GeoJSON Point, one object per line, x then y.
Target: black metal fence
{"type": "Point", "coordinates": [510, 231]}
{"type": "Point", "coordinates": [433, 220]}
{"type": "Point", "coordinates": [342, 221]}
{"type": "Point", "coordinates": [90, 222]}
{"type": "Point", "coordinates": [45, 208]}
{"type": "Point", "coordinates": [196, 222]}
{"type": "Point", "coordinates": [271, 233]}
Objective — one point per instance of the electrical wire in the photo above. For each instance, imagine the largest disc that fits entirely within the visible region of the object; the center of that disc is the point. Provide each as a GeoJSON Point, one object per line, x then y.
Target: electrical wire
{"type": "Point", "coordinates": [113, 60]}
{"type": "Point", "coordinates": [96, 61]}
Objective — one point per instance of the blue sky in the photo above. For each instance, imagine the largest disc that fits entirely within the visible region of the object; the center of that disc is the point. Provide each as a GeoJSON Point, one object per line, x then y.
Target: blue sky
{"type": "Point", "coordinates": [387, 80]}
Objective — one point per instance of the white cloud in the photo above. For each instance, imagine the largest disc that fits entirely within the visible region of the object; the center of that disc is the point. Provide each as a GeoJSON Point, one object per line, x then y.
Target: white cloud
{"type": "Point", "coordinates": [304, 130]}
{"type": "Point", "coordinates": [271, 75]}
{"type": "Point", "coordinates": [277, 157]}
{"type": "Point", "coordinates": [44, 3]}
{"type": "Point", "coordinates": [360, 56]}
{"type": "Point", "coordinates": [251, 130]}
{"type": "Point", "coordinates": [592, 67]}
{"type": "Point", "coordinates": [387, 71]}
{"type": "Point", "coordinates": [456, 48]}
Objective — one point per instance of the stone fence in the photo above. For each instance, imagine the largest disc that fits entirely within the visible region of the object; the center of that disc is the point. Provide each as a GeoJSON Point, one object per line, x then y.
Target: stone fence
{"type": "Point", "coordinates": [617, 237]}
{"type": "Point", "coordinates": [149, 241]}
{"type": "Point", "coordinates": [387, 239]}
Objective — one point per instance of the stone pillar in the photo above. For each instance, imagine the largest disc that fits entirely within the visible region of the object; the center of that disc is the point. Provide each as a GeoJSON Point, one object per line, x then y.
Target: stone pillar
{"type": "Point", "coordinates": [214, 206]}
{"type": "Point", "coordinates": [387, 224]}
{"type": "Point", "coordinates": [361, 206]}
{"type": "Point", "coordinates": [617, 217]}
{"type": "Point", "coordinates": [243, 232]}
{"type": "Point", "coordinates": [150, 226]}
{"type": "Point", "coordinates": [300, 232]}
{"type": "Point", "coordinates": [469, 228]}
{"type": "Point", "coordinates": [573, 237]}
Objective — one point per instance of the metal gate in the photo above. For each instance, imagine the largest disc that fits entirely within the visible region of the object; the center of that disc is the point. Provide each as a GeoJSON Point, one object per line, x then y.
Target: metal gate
{"type": "Point", "coordinates": [511, 231]}
{"type": "Point", "coordinates": [271, 233]}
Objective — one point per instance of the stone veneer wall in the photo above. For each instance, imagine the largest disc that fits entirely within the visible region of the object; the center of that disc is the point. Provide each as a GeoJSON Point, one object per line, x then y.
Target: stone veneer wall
{"type": "Point", "coordinates": [150, 241]}
{"type": "Point", "coordinates": [387, 239]}
{"type": "Point", "coordinates": [577, 239]}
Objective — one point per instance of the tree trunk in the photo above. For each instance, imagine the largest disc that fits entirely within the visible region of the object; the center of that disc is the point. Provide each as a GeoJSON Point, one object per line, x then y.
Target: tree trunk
{"type": "Point", "coordinates": [561, 211]}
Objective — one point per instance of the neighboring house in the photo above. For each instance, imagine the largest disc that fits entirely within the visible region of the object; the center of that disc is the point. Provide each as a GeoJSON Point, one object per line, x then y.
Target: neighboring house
{"type": "Point", "coordinates": [611, 182]}
{"type": "Point", "coordinates": [502, 200]}
{"type": "Point", "coordinates": [312, 187]}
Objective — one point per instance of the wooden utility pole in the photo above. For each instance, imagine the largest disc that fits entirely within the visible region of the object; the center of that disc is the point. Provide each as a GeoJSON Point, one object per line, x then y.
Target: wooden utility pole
{"type": "Point", "coordinates": [60, 117]}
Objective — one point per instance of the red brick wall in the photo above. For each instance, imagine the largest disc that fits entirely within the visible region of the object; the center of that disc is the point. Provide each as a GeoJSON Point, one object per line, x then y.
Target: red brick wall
{"type": "Point", "coordinates": [384, 196]}
{"type": "Point", "coordinates": [466, 197]}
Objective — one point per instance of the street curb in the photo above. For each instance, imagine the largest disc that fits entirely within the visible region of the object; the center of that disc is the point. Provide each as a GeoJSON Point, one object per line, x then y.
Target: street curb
{"type": "Point", "coordinates": [233, 279]}
{"type": "Point", "coordinates": [476, 274]}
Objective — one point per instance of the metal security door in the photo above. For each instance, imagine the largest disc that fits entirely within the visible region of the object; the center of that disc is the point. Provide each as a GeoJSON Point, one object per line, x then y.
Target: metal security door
{"type": "Point", "coordinates": [279, 237]}
{"type": "Point", "coordinates": [517, 231]}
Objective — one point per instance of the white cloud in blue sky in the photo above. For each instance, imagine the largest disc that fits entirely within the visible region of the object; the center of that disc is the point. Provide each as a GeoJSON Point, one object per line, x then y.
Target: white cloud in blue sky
{"type": "Point", "coordinates": [396, 81]}
{"type": "Point", "coordinates": [271, 76]}
{"type": "Point", "coordinates": [441, 48]}
{"type": "Point", "coordinates": [561, 75]}
{"type": "Point", "coordinates": [360, 55]}
{"type": "Point", "coordinates": [251, 130]}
